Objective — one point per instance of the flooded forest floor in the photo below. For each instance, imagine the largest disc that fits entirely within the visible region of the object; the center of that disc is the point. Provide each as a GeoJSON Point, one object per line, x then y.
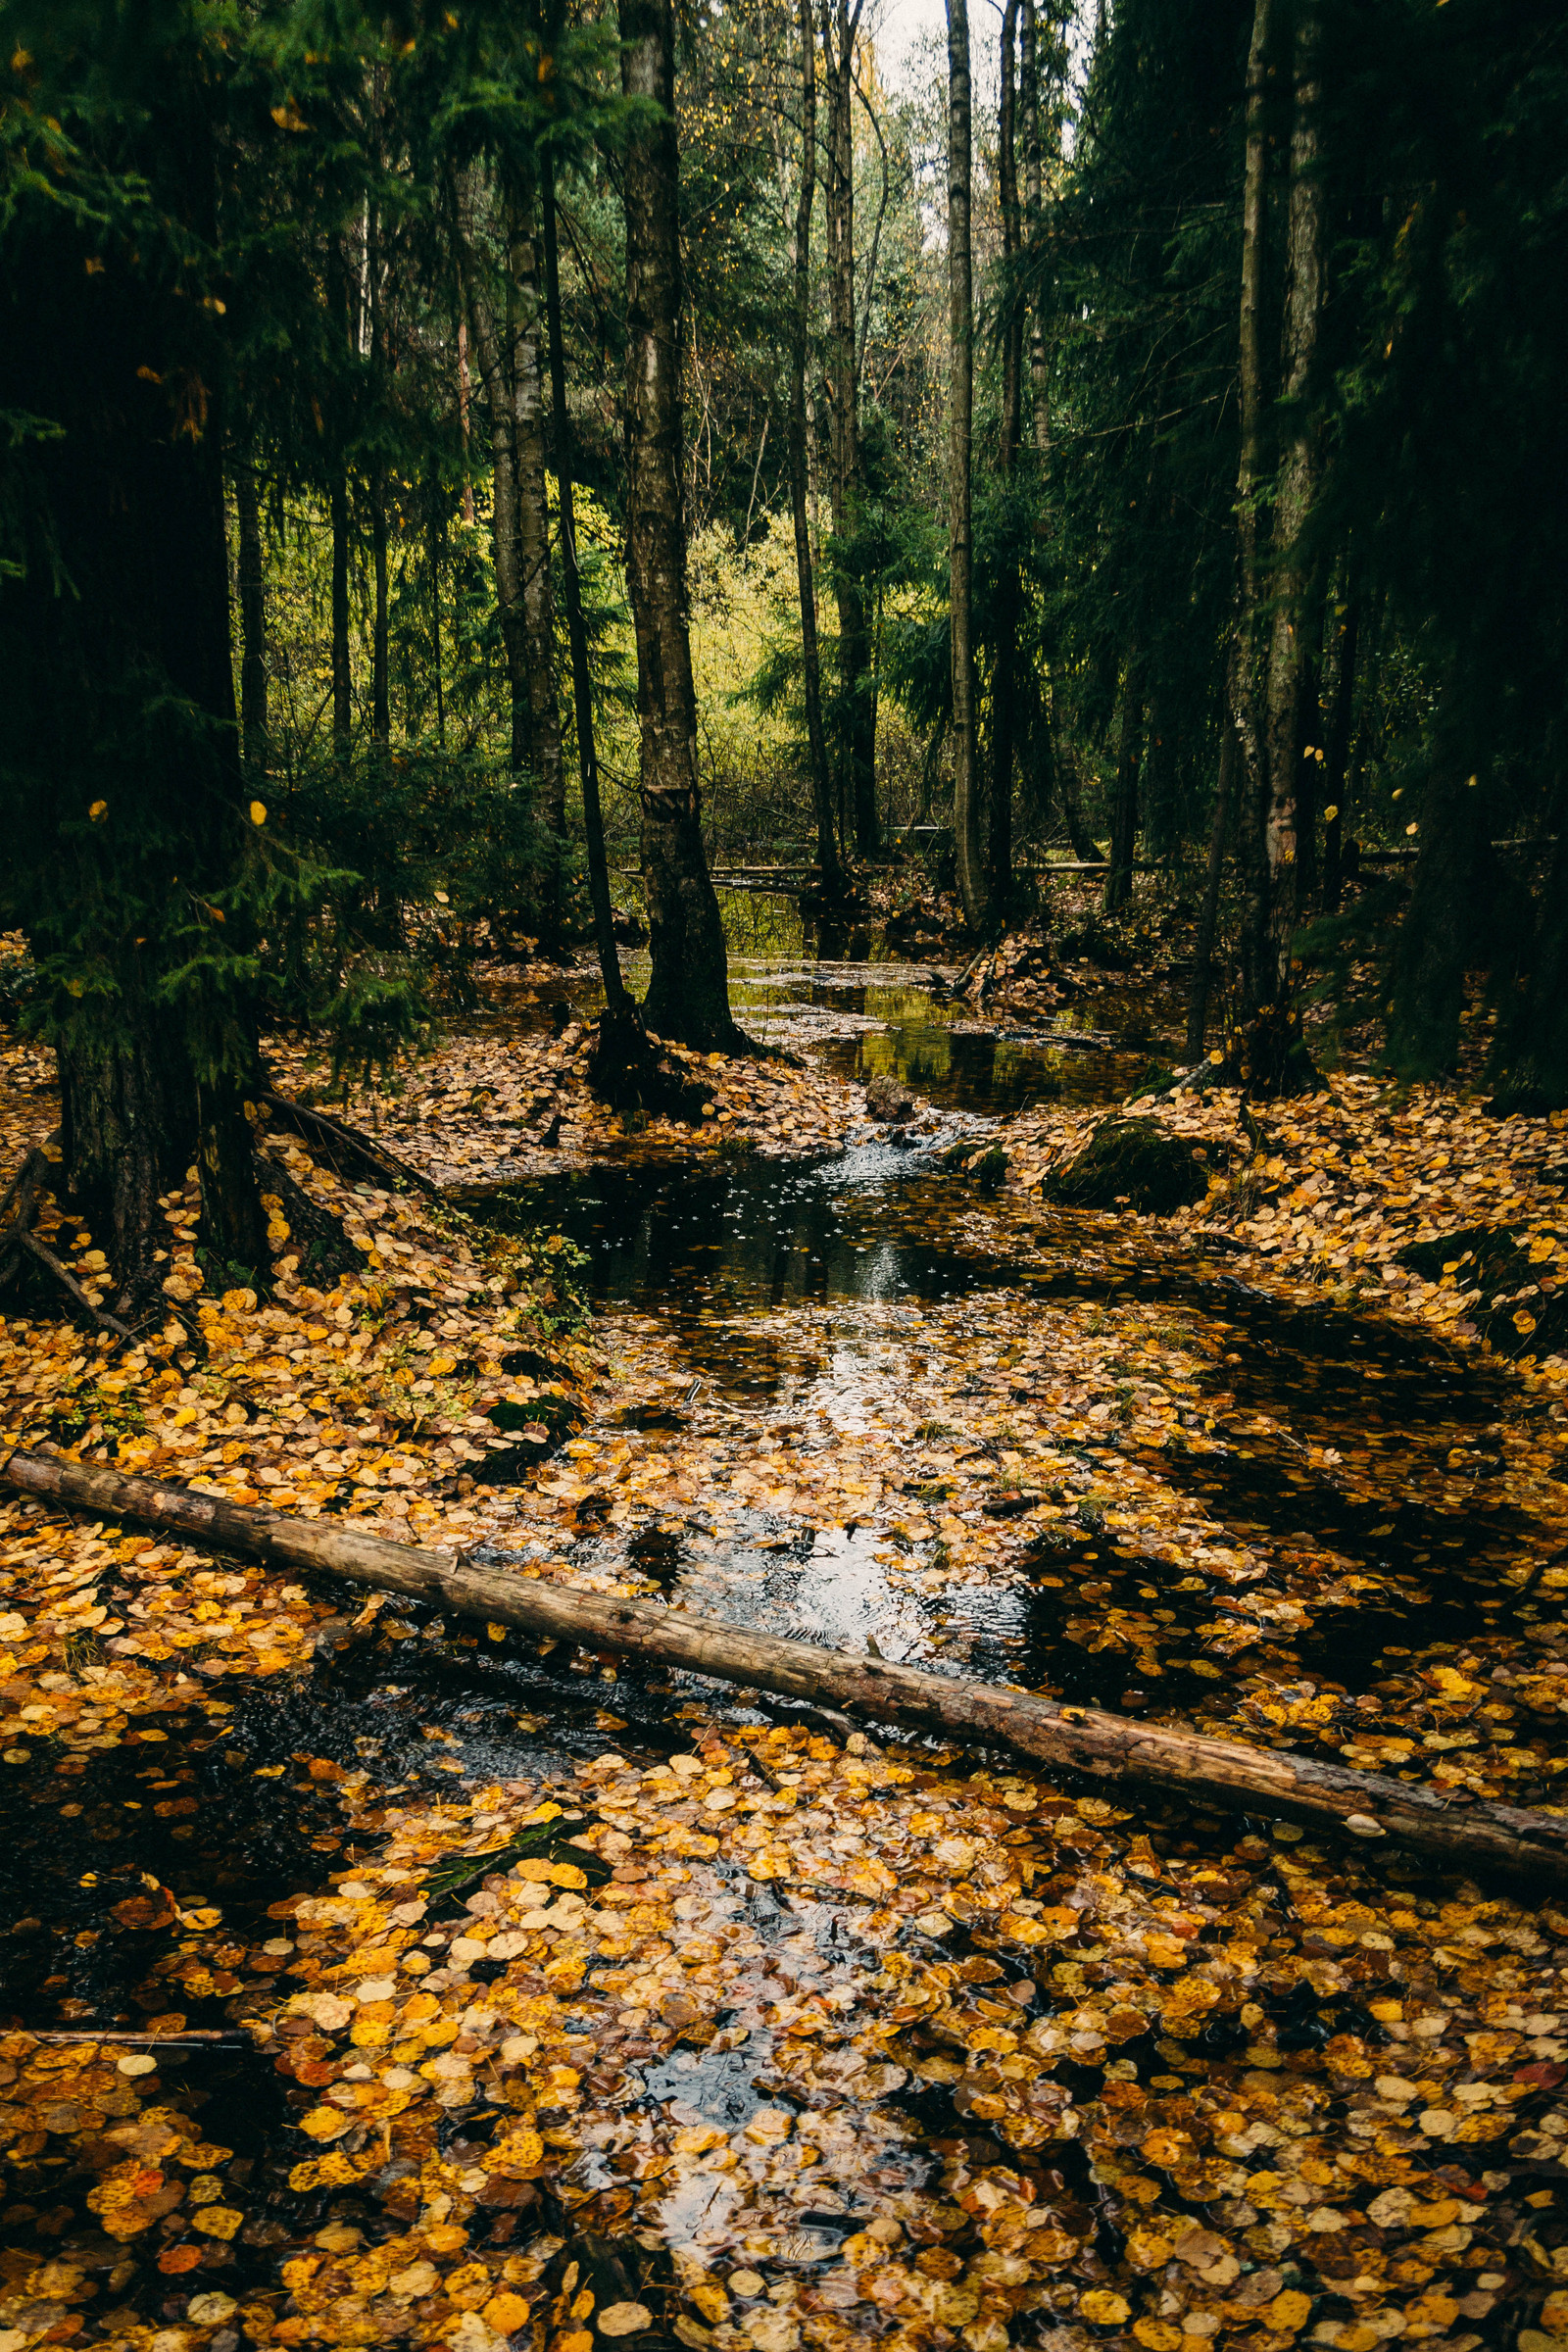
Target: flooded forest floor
{"type": "Point", "coordinates": [414, 1983]}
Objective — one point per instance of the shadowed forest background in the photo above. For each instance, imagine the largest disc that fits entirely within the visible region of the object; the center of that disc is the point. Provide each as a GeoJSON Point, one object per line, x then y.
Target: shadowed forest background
{"type": "Point", "coordinates": [1189, 393]}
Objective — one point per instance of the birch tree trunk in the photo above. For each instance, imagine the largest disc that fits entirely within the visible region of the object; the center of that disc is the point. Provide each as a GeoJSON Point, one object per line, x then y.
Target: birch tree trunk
{"type": "Point", "coordinates": [688, 995]}
{"type": "Point", "coordinates": [827, 856]}
{"type": "Point", "coordinates": [961, 528]}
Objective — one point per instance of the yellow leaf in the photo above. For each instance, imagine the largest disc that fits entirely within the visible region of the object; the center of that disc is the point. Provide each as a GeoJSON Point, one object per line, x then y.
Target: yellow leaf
{"type": "Point", "coordinates": [324, 2122]}
{"type": "Point", "coordinates": [625, 2319]}
{"type": "Point", "coordinates": [506, 2313]}
{"type": "Point", "coordinates": [216, 2221]}
{"type": "Point", "coordinates": [1103, 2308]}
{"type": "Point", "coordinates": [1288, 2313]}
{"type": "Point", "coordinates": [98, 810]}
{"type": "Point", "coordinates": [258, 813]}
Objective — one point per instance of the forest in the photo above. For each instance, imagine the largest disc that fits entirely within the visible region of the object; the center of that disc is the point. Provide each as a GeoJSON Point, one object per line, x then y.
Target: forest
{"type": "Point", "coordinates": [784, 1140]}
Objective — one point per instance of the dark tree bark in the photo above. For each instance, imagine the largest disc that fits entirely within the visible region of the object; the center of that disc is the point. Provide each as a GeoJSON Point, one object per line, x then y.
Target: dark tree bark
{"type": "Point", "coordinates": [1337, 754]}
{"type": "Point", "coordinates": [1029, 82]}
{"type": "Point", "coordinates": [465, 397]}
{"type": "Point", "coordinates": [1449, 926]}
{"type": "Point", "coordinates": [1124, 806]}
{"type": "Point", "coordinates": [856, 734]}
{"type": "Point", "coordinates": [1289, 667]}
{"type": "Point", "coordinates": [342, 673]}
{"type": "Point", "coordinates": [617, 1003]}
{"type": "Point", "coordinates": [960, 526]}
{"type": "Point", "coordinates": [252, 615]}
{"type": "Point", "coordinates": [827, 856]}
{"type": "Point", "coordinates": [537, 594]}
{"type": "Point", "coordinates": [380, 676]}
{"type": "Point", "coordinates": [1004, 683]}
{"type": "Point", "coordinates": [1209, 913]}
{"type": "Point", "coordinates": [504, 503]}
{"type": "Point", "coordinates": [688, 996]}
{"type": "Point", "coordinates": [1248, 669]}
{"type": "Point", "coordinates": [122, 696]}
{"type": "Point", "coordinates": [1085, 847]}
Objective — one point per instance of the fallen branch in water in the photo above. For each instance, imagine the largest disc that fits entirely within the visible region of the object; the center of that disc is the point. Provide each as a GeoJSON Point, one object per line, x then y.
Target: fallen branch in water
{"type": "Point", "coordinates": [196, 2038]}
{"type": "Point", "coordinates": [1182, 1763]}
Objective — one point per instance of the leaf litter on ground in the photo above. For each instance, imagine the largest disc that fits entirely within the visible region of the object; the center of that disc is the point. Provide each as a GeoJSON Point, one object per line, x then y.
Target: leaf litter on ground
{"type": "Point", "coordinates": [711, 2030]}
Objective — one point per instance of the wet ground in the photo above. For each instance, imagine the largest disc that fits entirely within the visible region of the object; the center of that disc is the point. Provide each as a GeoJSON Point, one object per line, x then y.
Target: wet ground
{"type": "Point", "coordinates": [863, 1403]}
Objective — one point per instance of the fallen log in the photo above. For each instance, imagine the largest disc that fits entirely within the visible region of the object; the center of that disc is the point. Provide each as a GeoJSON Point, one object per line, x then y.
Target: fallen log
{"type": "Point", "coordinates": [1504, 1838]}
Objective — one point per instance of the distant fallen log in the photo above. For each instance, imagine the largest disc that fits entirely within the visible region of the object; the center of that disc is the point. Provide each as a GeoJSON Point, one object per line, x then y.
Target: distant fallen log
{"type": "Point", "coordinates": [1494, 1839]}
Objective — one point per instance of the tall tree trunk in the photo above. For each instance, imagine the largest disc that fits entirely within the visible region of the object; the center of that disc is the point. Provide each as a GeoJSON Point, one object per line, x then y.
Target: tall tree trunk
{"type": "Point", "coordinates": [1449, 926]}
{"type": "Point", "coordinates": [1003, 682]}
{"type": "Point", "coordinates": [435, 544]}
{"type": "Point", "coordinates": [504, 504]}
{"type": "Point", "coordinates": [1247, 670]}
{"type": "Point", "coordinates": [1208, 911]}
{"type": "Point", "coordinates": [857, 743]}
{"type": "Point", "coordinates": [465, 397]}
{"type": "Point", "coordinates": [827, 856]}
{"type": "Point", "coordinates": [688, 995]}
{"type": "Point", "coordinates": [961, 528]}
{"type": "Point", "coordinates": [1029, 79]}
{"type": "Point", "coordinates": [1159, 778]}
{"type": "Point", "coordinates": [1289, 663]}
{"type": "Point", "coordinates": [342, 674]}
{"type": "Point", "coordinates": [251, 617]}
{"type": "Point", "coordinates": [617, 1003]}
{"type": "Point", "coordinates": [1124, 806]}
{"type": "Point", "coordinates": [381, 683]}
{"type": "Point", "coordinates": [1337, 754]}
{"type": "Point", "coordinates": [533, 522]}
{"type": "Point", "coordinates": [1085, 847]}
{"type": "Point", "coordinates": [124, 691]}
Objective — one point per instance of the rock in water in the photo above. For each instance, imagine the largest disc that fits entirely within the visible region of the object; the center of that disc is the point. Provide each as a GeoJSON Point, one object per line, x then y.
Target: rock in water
{"type": "Point", "coordinates": [889, 1099]}
{"type": "Point", "coordinates": [1131, 1161]}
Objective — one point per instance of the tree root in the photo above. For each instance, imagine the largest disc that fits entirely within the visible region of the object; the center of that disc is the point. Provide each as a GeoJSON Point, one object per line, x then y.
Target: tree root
{"type": "Point", "coordinates": [19, 1244]}
{"type": "Point", "coordinates": [325, 1249]}
{"type": "Point", "coordinates": [344, 1149]}
{"type": "Point", "coordinates": [630, 1072]}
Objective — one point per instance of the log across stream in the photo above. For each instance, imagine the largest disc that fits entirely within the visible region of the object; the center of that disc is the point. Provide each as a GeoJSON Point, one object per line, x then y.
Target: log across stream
{"type": "Point", "coordinates": [1483, 1837]}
